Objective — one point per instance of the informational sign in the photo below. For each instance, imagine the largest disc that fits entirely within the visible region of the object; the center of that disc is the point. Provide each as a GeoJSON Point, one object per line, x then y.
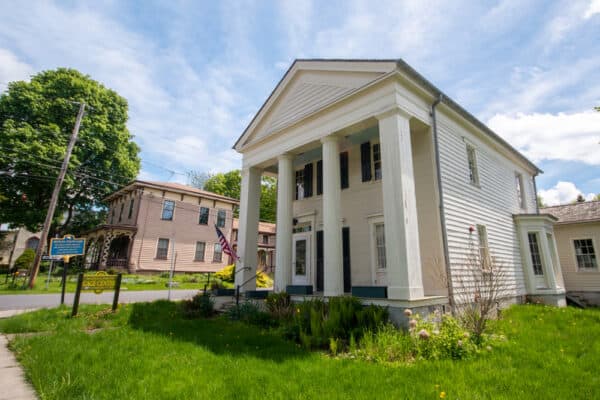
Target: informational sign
{"type": "Point", "coordinates": [98, 283]}
{"type": "Point", "coordinates": [51, 258]}
{"type": "Point", "coordinates": [67, 246]}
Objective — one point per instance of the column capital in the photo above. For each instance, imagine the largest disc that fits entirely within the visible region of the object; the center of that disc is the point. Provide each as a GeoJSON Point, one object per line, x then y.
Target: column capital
{"type": "Point", "coordinates": [285, 156]}
{"type": "Point", "coordinates": [394, 110]}
{"type": "Point", "coordinates": [330, 139]}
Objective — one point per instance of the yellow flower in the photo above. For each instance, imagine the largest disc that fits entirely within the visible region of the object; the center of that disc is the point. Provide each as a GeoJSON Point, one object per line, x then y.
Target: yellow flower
{"type": "Point", "coordinates": [442, 395]}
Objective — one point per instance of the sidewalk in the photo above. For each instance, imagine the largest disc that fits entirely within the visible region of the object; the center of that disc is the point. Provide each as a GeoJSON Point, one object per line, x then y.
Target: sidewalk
{"type": "Point", "coordinates": [12, 378]}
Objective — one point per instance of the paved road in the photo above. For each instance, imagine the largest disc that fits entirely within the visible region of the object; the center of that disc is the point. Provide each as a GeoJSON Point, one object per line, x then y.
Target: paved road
{"type": "Point", "coordinates": [22, 301]}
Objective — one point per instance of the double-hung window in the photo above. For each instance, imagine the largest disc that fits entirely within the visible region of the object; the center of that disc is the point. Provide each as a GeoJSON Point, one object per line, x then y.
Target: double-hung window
{"type": "Point", "coordinates": [162, 249]}
{"type": "Point", "coordinates": [380, 246]}
{"type": "Point", "coordinates": [534, 250]}
{"type": "Point", "coordinates": [217, 253]}
{"type": "Point", "coordinates": [585, 254]}
{"type": "Point", "coordinates": [484, 251]}
{"type": "Point", "coordinates": [167, 210]}
{"type": "Point", "coordinates": [519, 189]}
{"type": "Point", "coordinates": [300, 184]}
{"type": "Point", "coordinates": [199, 255]}
{"type": "Point", "coordinates": [203, 218]}
{"type": "Point", "coordinates": [472, 161]}
{"type": "Point", "coordinates": [221, 215]}
{"type": "Point", "coordinates": [370, 161]}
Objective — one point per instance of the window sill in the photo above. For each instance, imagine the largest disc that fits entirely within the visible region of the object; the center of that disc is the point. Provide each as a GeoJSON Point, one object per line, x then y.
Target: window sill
{"type": "Point", "coordinates": [587, 270]}
{"type": "Point", "coordinates": [198, 260]}
{"type": "Point", "coordinates": [161, 258]}
{"type": "Point", "coordinates": [165, 219]}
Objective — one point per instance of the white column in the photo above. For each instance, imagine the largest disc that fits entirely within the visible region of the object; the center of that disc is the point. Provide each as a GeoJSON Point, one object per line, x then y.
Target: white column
{"type": "Point", "coordinates": [248, 228]}
{"type": "Point", "coordinates": [332, 218]}
{"type": "Point", "coordinates": [285, 216]}
{"type": "Point", "coordinates": [400, 208]}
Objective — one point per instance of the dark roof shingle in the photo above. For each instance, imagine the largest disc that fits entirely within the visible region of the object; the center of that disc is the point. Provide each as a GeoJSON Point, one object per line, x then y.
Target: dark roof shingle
{"type": "Point", "coordinates": [578, 212]}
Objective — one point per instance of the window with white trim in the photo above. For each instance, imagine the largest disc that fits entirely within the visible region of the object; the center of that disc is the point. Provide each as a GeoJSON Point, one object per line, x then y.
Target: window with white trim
{"type": "Point", "coordinates": [221, 215]}
{"type": "Point", "coordinates": [203, 218]}
{"type": "Point", "coordinates": [380, 246]}
{"type": "Point", "coordinates": [519, 189]}
{"type": "Point", "coordinates": [300, 184]}
{"type": "Point", "coordinates": [167, 210]}
{"type": "Point", "coordinates": [217, 253]}
{"type": "Point", "coordinates": [200, 248]}
{"type": "Point", "coordinates": [376, 161]}
{"type": "Point", "coordinates": [162, 249]}
{"type": "Point", "coordinates": [484, 251]}
{"type": "Point", "coordinates": [585, 254]}
{"type": "Point", "coordinates": [534, 250]}
{"type": "Point", "coordinates": [472, 161]}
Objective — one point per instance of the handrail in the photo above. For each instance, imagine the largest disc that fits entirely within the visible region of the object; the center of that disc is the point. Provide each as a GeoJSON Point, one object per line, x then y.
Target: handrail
{"type": "Point", "coordinates": [237, 289]}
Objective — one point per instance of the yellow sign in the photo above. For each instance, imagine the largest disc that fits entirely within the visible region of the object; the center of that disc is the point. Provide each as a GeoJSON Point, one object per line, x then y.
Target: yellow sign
{"type": "Point", "coordinates": [99, 282]}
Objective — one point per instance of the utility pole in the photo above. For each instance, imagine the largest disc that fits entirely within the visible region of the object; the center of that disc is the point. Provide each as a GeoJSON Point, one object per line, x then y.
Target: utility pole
{"type": "Point", "coordinates": [54, 199]}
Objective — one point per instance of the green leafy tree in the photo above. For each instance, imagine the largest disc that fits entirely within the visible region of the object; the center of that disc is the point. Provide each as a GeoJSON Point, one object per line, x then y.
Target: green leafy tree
{"type": "Point", "coordinates": [36, 120]}
{"type": "Point", "coordinates": [230, 183]}
{"type": "Point", "coordinates": [25, 260]}
{"type": "Point", "coordinates": [540, 202]}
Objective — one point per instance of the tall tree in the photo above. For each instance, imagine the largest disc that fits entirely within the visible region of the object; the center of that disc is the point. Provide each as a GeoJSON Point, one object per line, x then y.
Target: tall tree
{"type": "Point", "coordinates": [229, 184]}
{"type": "Point", "coordinates": [36, 119]}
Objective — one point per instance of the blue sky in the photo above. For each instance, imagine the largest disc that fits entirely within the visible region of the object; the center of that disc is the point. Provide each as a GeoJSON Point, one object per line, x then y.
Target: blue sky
{"type": "Point", "coordinates": [195, 73]}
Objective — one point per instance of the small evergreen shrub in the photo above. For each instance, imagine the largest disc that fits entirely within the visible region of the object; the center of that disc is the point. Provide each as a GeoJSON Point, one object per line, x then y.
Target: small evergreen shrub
{"type": "Point", "coordinates": [201, 305]}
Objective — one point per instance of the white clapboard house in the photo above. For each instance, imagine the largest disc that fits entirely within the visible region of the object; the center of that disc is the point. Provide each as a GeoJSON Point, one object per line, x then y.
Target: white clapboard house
{"type": "Point", "coordinates": [385, 187]}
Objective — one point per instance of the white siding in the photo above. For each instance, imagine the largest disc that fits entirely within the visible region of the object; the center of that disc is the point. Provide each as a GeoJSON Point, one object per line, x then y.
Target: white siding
{"type": "Point", "coordinates": [492, 204]}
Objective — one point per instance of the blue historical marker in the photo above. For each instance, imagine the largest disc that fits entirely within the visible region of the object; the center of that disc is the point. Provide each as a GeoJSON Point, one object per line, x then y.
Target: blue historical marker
{"type": "Point", "coordinates": [67, 246]}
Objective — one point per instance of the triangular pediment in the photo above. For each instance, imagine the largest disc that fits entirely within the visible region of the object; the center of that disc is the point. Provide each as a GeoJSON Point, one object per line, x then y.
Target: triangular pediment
{"type": "Point", "coordinates": [305, 89]}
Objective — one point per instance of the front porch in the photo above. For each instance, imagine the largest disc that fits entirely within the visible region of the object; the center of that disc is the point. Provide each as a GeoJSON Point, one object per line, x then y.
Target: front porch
{"type": "Point", "coordinates": [109, 246]}
{"type": "Point", "coordinates": [341, 230]}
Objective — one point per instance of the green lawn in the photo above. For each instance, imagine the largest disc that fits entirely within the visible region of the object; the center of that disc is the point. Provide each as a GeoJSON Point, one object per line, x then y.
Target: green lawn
{"type": "Point", "coordinates": [129, 282]}
{"type": "Point", "coordinates": [147, 351]}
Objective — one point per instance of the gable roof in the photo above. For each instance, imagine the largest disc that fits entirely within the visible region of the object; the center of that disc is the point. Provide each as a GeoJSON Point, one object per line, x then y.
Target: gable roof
{"type": "Point", "coordinates": [172, 187]}
{"type": "Point", "coordinates": [586, 211]}
{"type": "Point", "coordinates": [400, 66]}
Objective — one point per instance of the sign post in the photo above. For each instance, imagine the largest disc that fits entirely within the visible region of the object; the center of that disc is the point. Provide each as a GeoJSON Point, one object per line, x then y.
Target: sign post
{"type": "Point", "coordinates": [98, 283]}
{"type": "Point", "coordinates": [66, 247]}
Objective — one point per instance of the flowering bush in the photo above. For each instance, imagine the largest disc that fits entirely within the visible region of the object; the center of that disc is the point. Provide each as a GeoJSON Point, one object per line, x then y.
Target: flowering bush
{"type": "Point", "coordinates": [432, 338]}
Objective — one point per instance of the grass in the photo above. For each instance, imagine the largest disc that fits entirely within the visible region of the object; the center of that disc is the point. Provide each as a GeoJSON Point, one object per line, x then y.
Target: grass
{"type": "Point", "coordinates": [129, 282]}
{"type": "Point", "coordinates": [155, 354]}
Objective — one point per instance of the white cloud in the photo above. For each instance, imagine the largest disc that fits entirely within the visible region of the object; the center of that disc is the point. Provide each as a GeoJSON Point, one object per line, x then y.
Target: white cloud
{"type": "Point", "coordinates": [570, 137]}
{"type": "Point", "coordinates": [593, 8]}
{"type": "Point", "coordinates": [562, 193]}
{"type": "Point", "coordinates": [175, 109]}
{"type": "Point", "coordinates": [12, 69]}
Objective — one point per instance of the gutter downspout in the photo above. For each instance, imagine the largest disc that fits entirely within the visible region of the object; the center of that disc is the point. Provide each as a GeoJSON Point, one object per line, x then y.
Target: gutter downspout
{"type": "Point", "coordinates": [441, 201]}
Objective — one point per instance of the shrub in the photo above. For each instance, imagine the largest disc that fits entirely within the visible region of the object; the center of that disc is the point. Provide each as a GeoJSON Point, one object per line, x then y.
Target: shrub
{"type": "Point", "coordinates": [250, 313]}
{"type": "Point", "coordinates": [280, 305]}
{"type": "Point", "coordinates": [434, 338]}
{"type": "Point", "coordinates": [25, 260]}
{"type": "Point", "coordinates": [201, 305]}
{"type": "Point", "coordinates": [227, 274]}
{"type": "Point", "coordinates": [316, 323]}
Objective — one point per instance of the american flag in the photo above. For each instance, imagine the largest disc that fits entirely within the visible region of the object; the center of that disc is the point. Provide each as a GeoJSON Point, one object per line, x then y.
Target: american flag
{"type": "Point", "coordinates": [225, 245]}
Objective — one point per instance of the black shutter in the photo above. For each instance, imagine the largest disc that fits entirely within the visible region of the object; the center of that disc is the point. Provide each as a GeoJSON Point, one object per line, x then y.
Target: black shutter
{"type": "Point", "coordinates": [365, 161]}
{"type": "Point", "coordinates": [308, 180]}
{"type": "Point", "coordinates": [319, 177]}
{"type": "Point", "coordinates": [344, 170]}
{"type": "Point", "coordinates": [346, 259]}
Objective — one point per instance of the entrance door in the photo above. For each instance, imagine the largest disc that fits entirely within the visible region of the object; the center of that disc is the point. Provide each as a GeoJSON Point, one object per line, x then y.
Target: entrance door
{"type": "Point", "coordinates": [301, 259]}
{"type": "Point", "coordinates": [320, 261]}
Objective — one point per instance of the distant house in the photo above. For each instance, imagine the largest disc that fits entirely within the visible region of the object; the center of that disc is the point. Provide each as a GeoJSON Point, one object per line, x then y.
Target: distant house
{"type": "Point", "coordinates": [16, 242]}
{"type": "Point", "coordinates": [385, 186]}
{"type": "Point", "coordinates": [577, 233]}
{"type": "Point", "coordinates": [266, 245]}
{"type": "Point", "coordinates": [148, 221]}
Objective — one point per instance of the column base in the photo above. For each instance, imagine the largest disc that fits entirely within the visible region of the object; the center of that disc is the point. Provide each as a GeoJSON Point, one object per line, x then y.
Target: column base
{"type": "Point", "coordinates": [405, 293]}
